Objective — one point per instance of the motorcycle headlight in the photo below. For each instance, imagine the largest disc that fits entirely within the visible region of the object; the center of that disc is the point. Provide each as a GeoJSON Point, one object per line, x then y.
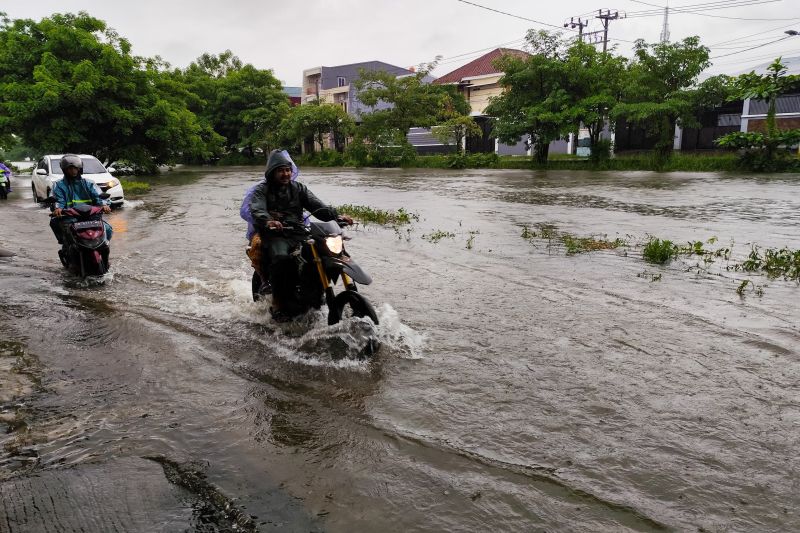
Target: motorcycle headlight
{"type": "Point", "coordinates": [334, 244]}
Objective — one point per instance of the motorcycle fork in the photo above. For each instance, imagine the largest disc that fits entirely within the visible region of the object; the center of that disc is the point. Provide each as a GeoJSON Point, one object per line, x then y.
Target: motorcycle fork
{"type": "Point", "coordinates": [348, 283]}
{"type": "Point", "coordinates": [323, 277]}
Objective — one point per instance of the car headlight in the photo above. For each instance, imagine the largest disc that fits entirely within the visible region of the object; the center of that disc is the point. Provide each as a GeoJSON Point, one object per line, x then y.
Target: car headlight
{"type": "Point", "coordinates": [334, 244]}
{"type": "Point", "coordinates": [113, 182]}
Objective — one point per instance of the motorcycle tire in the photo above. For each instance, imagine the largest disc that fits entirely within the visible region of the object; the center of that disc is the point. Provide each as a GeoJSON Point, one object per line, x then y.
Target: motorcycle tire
{"type": "Point", "coordinates": [63, 258]}
{"type": "Point", "coordinates": [3, 192]}
{"type": "Point", "coordinates": [358, 305]}
{"type": "Point", "coordinates": [93, 264]}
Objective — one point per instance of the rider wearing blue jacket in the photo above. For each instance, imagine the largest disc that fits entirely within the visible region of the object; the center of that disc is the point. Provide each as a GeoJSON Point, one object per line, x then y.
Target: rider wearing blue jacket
{"type": "Point", "coordinates": [73, 190]}
{"type": "Point", "coordinates": [7, 172]}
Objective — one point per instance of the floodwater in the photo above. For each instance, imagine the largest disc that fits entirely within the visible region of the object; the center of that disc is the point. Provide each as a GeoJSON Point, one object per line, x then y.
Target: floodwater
{"type": "Point", "coordinates": [518, 388]}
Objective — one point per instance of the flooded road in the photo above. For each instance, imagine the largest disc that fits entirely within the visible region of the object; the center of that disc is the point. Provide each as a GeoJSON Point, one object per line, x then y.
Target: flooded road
{"type": "Point", "coordinates": [518, 388]}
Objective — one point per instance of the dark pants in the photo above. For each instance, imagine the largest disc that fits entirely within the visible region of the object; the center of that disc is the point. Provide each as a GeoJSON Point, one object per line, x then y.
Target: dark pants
{"type": "Point", "coordinates": [57, 224]}
{"type": "Point", "coordinates": [281, 265]}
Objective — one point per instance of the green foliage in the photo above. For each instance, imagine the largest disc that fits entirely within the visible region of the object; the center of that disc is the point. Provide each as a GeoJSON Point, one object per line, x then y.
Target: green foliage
{"type": "Point", "coordinates": [659, 251]}
{"type": "Point", "coordinates": [134, 188]}
{"type": "Point", "coordinates": [12, 149]}
{"type": "Point", "coordinates": [601, 151]}
{"type": "Point", "coordinates": [767, 151]}
{"type": "Point", "coordinates": [241, 103]}
{"type": "Point", "coordinates": [556, 90]}
{"type": "Point", "coordinates": [577, 245]}
{"type": "Point", "coordinates": [400, 103]}
{"type": "Point", "coordinates": [70, 84]}
{"type": "Point", "coordinates": [438, 235]}
{"type": "Point", "coordinates": [775, 263]}
{"type": "Point", "coordinates": [489, 160]}
{"type": "Point", "coordinates": [659, 91]}
{"type": "Point", "coordinates": [315, 121]}
{"type": "Point", "coordinates": [367, 214]}
{"type": "Point", "coordinates": [456, 130]}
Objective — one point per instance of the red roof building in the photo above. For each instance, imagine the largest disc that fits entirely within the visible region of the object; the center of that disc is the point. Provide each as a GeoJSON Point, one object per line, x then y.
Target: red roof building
{"type": "Point", "coordinates": [479, 79]}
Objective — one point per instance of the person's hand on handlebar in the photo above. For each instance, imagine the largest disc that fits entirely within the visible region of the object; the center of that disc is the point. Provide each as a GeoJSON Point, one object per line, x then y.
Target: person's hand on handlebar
{"type": "Point", "coordinates": [274, 225]}
{"type": "Point", "coordinates": [57, 212]}
{"type": "Point", "coordinates": [106, 209]}
{"type": "Point", "coordinates": [347, 219]}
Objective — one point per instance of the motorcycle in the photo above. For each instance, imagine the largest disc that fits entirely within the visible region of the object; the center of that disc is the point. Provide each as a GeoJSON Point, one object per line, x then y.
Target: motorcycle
{"type": "Point", "coordinates": [85, 249]}
{"type": "Point", "coordinates": [322, 261]}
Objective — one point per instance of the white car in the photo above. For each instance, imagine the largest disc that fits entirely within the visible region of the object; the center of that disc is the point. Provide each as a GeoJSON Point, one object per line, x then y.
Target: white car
{"type": "Point", "coordinates": [47, 172]}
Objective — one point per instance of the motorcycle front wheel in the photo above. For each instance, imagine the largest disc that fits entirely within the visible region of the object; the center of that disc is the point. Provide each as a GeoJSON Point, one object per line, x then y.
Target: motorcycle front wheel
{"type": "Point", "coordinates": [359, 307]}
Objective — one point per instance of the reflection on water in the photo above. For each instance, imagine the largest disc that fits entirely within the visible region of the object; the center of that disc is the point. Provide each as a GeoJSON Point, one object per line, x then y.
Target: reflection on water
{"type": "Point", "coordinates": [516, 387]}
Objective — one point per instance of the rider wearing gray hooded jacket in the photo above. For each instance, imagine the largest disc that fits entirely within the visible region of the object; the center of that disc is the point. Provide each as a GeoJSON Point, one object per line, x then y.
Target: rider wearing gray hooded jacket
{"type": "Point", "coordinates": [278, 201]}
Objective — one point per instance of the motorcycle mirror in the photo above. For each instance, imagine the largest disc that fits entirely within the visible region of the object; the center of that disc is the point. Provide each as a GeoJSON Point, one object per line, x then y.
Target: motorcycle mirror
{"type": "Point", "coordinates": [49, 201]}
{"type": "Point", "coordinates": [105, 196]}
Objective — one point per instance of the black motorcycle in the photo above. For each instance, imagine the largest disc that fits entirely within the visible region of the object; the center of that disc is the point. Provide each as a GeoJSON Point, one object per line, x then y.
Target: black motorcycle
{"type": "Point", "coordinates": [85, 248]}
{"type": "Point", "coordinates": [321, 262]}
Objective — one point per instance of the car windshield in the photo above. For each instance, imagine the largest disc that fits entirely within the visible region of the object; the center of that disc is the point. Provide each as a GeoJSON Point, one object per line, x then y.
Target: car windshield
{"type": "Point", "coordinates": [90, 165]}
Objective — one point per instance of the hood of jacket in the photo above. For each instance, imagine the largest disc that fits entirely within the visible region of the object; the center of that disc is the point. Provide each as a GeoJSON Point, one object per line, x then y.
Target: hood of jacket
{"type": "Point", "coordinates": [276, 159]}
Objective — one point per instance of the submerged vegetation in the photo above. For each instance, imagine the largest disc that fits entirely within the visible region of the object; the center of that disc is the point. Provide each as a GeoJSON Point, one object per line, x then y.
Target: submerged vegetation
{"type": "Point", "coordinates": [134, 188]}
{"type": "Point", "coordinates": [365, 214]}
{"type": "Point", "coordinates": [438, 235]}
{"type": "Point", "coordinates": [775, 263]}
{"type": "Point", "coordinates": [572, 244]}
{"type": "Point", "coordinates": [659, 251]}
{"type": "Point", "coordinates": [781, 263]}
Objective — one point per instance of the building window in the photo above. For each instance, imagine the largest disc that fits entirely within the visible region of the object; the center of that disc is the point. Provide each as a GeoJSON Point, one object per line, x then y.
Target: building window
{"type": "Point", "coordinates": [342, 81]}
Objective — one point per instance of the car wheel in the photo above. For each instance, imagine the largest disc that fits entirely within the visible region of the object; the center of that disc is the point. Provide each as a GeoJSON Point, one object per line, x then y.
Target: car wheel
{"type": "Point", "coordinates": [35, 196]}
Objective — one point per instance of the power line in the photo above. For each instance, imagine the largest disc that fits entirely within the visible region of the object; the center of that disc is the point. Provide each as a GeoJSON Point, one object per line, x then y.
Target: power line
{"type": "Point", "coordinates": [510, 14]}
{"type": "Point", "coordinates": [754, 47]}
{"type": "Point", "coordinates": [699, 11]}
{"type": "Point", "coordinates": [751, 35]}
{"type": "Point", "coordinates": [689, 8]}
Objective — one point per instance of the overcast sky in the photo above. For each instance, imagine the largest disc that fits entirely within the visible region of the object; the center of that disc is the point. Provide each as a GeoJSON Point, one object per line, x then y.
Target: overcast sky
{"type": "Point", "coordinates": [288, 37]}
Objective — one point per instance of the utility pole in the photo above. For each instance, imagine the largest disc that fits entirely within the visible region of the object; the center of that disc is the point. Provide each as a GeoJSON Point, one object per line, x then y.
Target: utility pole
{"type": "Point", "coordinates": [665, 28]}
{"type": "Point", "coordinates": [606, 18]}
{"type": "Point", "coordinates": [580, 25]}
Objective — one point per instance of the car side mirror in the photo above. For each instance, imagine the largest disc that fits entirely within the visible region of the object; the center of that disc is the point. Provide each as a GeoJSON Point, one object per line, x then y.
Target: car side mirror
{"type": "Point", "coordinates": [111, 170]}
{"type": "Point", "coordinates": [41, 172]}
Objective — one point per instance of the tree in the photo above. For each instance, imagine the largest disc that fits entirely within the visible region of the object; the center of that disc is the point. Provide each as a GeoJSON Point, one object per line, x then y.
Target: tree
{"type": "Point", "coordinates": [401, 102]}
{"type": "Point", "coordinates": [761, 148]}
{"type": "Point", "coordinates": [315, 120]}
{"type": "Point", "coordinates": [659, 91]}
{"type": "Point", "coordinates": [596, 81]}
{"type": "Point", "coordinates": [456, 130]}
{"type": "Point", "coordinates": [240, 102]}
{"type": "Point", "coordinates": [536, 95]}
{"type": "Point", "coordinates": [70, 83]}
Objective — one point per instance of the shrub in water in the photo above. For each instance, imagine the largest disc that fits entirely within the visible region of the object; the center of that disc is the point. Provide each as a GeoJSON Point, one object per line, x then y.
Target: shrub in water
{"type": "Point", "coordinates": [658, 251]}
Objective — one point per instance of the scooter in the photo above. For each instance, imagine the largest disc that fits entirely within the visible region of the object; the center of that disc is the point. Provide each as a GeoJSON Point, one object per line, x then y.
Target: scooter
{"type": "Point", "coordinates": [321, 262]}
{"type": "Point", "coordinates": [85, 249]}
